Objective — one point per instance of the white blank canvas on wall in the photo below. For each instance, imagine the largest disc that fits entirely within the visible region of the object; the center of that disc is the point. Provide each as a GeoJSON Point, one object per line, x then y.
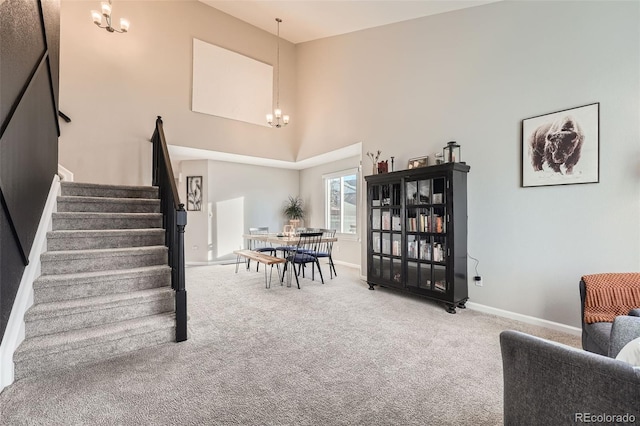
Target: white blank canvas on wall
{"type": "Point", "coordinates": [228, 84]}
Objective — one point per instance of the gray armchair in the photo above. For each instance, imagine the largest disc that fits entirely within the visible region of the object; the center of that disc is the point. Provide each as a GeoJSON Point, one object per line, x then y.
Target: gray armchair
{"type": "Point", "coordinates": [554, 384]}
{"type": "Point", "coordinates": [595, 337]}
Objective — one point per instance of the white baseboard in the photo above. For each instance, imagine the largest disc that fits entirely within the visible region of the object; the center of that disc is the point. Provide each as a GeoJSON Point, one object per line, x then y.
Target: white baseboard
{"type": "Point", "coordinates": [576, 331]}
{"type": "Point", "coordinates": [233, 261]}
{"type": "Point", "coordinates": [347, 264]}
{"type": "Point", "coordinates": [14, 333]}
{"type": "Point", "coordinates": [65, 174]}
{"type": "Point", "coordinates": [525, 318]}
{"type": "Point", "coordinates": [210, 262]}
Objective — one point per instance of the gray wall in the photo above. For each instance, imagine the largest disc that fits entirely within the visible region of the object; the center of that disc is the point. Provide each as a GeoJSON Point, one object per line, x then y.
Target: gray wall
{"type": "Point", "coordinates": [472, 76]}
{"type": "Point", "coordinates": [114, 85]}
{"type": "Point", "coordinates": [197, 233]}
{"type": "Point", "coordinates": [236, 197]}
{"type": "Point", "coordinates": [407, 88]}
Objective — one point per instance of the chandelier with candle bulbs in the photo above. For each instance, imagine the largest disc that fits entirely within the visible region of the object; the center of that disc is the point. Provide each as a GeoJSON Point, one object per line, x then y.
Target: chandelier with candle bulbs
{"type": "Point", "coordinates": [106, 14]}
{"type": "Point", "coordinates": [277, 119]}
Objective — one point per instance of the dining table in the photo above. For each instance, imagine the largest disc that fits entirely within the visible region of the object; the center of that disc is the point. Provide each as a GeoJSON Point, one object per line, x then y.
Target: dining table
{"type": "Point", "coordinates": [284, 240]}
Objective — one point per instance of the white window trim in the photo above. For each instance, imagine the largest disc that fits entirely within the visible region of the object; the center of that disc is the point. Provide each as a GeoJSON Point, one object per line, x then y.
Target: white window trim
{"type": "Point", "coordinates": [350, 171]}
{"type": "Point", "coordinates": [339, 174]}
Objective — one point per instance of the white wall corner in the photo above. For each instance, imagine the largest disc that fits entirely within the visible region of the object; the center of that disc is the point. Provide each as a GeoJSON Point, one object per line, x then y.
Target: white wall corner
{"type": "Point", "coordinates": [14, 333]}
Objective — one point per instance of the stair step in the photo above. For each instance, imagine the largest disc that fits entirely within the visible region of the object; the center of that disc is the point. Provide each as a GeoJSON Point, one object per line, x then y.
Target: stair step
{"type": "Point", "coordinates": [52, 288]}
{"type": "Point", "coordinates": [56, 317]}
{"type": "Point", "coordinates": [72, 261]}
{"type": "Point", "coordinates": [74, 220]}
{"type": "Point", "coordinates": [111, 191]}
{"type": "Point", "coordinates": [104, 238]}
{"type": "Point", "coordinates": [55, 351]}
{"type": "Point", "coordinates": [108, 205]}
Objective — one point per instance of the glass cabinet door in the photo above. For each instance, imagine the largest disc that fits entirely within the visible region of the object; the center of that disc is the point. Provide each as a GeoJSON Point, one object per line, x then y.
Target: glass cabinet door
{"type": "Point", "coordinates": [425, 231]}
{"type": "Point", "coordinates": [385, 203]}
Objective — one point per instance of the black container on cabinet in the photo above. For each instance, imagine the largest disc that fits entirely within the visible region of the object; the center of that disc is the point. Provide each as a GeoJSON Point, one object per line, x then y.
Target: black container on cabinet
{"type": "Point", "coordinates": [417, 232]}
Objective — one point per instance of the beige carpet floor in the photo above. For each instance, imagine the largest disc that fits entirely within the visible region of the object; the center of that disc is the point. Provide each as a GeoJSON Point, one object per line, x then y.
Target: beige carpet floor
{"type": "Point", "coordinates": [332, 354]}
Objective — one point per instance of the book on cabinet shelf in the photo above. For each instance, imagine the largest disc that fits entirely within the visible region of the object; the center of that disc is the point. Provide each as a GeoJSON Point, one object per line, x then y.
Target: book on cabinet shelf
{"type": "Point", "coordinates": [425, 223]}
{"type": "Point", "coordinates": [421, 250]}
{"type": "Point", "coordinates": [386, 221]}
{"type": "Point", "coordinates": [438, 224]}
{"type": "Point", "coordinates": [425, 250]}
{"type": "Point", "coordinates": [412, 249]}
{"type": "Point", "coordinates": [419, 224]}
{"type": "Point", "coordinates": [438, 253]}
{"type": "Point", "coordinates": [396, 248]}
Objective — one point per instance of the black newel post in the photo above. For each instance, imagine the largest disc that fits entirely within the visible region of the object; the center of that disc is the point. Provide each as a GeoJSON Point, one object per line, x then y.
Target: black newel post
{"type": "Point", "coordinates": [181, 292]}
{"type": "Point", "coordinates": [174, 219]}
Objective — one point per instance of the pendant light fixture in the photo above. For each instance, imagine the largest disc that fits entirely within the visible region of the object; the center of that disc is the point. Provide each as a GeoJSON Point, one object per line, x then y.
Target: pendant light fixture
{"type": "Point", "coordinates": [274, 119]}
{"type": "Point", "coordinates": [106, 13]}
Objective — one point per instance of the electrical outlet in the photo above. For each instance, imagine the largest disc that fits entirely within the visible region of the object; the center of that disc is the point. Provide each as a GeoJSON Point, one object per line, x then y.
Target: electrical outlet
{"type": "Point", "coordinates": [478, 280]}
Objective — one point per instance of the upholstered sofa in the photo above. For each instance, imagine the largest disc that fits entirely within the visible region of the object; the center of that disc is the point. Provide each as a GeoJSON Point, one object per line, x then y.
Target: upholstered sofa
{"type": "Point", "coordinates": [548, 383]}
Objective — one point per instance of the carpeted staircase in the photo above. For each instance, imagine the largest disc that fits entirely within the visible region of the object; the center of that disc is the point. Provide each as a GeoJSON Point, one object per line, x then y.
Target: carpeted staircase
{"type": "Point", "coordinates": [105, 287]}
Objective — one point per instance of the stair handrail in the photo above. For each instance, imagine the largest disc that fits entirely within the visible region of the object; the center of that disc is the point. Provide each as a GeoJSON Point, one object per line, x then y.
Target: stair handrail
{"type": "Point", "coordinates": [174, 219]}
{"type": "Point", "coordinates": [64, 116]}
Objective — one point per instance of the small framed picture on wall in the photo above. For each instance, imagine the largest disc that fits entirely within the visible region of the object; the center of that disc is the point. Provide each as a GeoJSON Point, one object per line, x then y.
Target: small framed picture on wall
{"type": "Point", "coordinates": [194, 193]}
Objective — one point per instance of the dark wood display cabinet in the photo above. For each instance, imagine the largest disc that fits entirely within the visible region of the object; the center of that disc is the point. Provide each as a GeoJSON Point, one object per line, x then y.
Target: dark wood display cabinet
{"type": "Point", "coordinates": [417, 232]}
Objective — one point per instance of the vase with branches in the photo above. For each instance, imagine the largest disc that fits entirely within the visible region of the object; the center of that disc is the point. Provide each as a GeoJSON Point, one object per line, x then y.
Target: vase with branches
{"type": "Point", "coordinates": [374, 159]}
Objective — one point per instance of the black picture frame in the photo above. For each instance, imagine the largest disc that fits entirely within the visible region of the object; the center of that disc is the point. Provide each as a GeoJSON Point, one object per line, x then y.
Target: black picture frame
{"type": "Point", "coordinates": [194, 193]}
{"type": "Point", "coordinates": [562, 147]}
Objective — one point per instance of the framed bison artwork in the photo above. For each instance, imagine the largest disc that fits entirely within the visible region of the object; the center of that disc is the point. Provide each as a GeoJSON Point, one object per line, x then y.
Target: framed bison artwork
{"type": "Point", "coordinates": [562, 148]}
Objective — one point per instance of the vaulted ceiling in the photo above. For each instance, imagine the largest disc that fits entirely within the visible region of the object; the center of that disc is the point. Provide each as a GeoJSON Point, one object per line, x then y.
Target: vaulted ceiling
{"type": "Point", "coordinates": [309, 20]}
